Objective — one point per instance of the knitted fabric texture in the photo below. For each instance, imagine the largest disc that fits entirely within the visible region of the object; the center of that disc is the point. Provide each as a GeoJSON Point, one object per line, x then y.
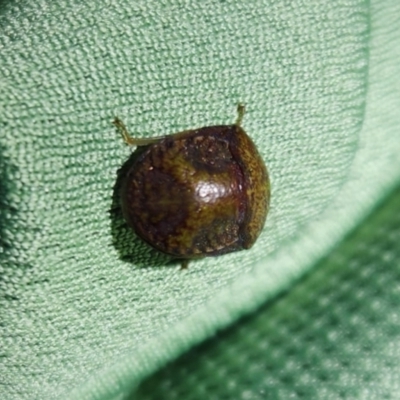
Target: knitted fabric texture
{"type": "Point", "coordinates": [334, 335]}
{"type": "Point", "coordinates": [86, 309]}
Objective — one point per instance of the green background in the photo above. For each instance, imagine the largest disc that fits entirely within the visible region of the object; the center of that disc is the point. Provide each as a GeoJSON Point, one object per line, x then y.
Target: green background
{"type": "Point", "coordinates": [86, 310]}
{"type": "Point", "coordinates": [334, 335]}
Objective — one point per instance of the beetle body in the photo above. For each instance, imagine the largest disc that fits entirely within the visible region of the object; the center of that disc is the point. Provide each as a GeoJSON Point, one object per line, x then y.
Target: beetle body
{"type": "Point", "coordinates": [197, 193]}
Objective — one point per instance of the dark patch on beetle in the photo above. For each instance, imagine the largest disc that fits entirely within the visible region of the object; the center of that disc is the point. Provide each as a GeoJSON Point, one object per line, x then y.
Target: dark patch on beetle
{"type": "Point", "coordinates": [130, 247]}
{"type": "Point", "coordinates": [208, 149]}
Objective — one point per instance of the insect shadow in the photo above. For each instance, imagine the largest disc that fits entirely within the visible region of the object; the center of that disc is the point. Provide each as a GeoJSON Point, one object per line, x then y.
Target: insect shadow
{"type": "Point", "coordinates": [130, 247]}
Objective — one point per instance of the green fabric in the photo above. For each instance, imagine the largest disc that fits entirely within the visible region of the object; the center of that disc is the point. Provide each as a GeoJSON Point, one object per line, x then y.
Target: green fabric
{"type": "Point", "coordinates": [334, 335]}
{"type": "Point", "coordinates": [86, 310]}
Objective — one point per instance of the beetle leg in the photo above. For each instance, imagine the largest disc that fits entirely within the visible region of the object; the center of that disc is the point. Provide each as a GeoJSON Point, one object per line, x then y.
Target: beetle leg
{"type": "Point", "coordinates": [184, 264]}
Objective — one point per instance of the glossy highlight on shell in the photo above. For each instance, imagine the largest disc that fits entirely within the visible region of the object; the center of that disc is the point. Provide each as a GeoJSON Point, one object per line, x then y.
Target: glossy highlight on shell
{"type": "Point", "coordinates": [202, 192]}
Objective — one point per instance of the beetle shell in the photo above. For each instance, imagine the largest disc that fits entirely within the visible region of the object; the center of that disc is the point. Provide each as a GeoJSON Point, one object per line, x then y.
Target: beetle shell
{"type": "Point", "coordinates": [202, 192]}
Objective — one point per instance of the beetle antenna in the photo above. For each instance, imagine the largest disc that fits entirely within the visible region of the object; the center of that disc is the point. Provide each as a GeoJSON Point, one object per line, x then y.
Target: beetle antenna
{"type": "Point", "coordinates": [129, 140]}
{"type": "Point", "coordinates": [241, 109]}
